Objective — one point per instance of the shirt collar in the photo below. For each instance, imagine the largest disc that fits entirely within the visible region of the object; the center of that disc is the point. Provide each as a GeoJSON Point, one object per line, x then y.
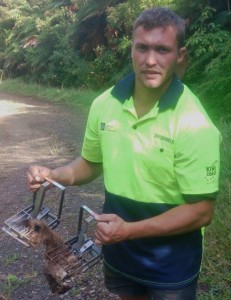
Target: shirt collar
{"type": "Point", "coordinates": [123, 90]}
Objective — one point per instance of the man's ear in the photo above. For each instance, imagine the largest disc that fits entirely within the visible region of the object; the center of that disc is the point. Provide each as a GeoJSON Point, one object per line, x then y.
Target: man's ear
{"type": "Point", "coordinates": [182, 55]}
{"type": "Point", "coordinates": [182, 63]}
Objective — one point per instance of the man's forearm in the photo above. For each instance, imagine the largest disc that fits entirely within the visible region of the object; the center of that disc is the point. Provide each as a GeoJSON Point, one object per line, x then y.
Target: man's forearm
{"type": "Point", "coordinates": [181, 219]}
{"type": "Point", "coordinates": [78, 172]}
{"type": "Point", "coordinates": [184, 218]}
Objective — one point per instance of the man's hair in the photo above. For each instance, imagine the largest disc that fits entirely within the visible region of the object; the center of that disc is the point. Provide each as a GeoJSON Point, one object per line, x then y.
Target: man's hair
{"type": "Point", "coordinates": [161, 17]}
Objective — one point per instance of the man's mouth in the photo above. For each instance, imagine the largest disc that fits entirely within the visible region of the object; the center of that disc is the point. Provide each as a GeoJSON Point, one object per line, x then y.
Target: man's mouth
{"type": "Point", "coordinates": [151, 73]}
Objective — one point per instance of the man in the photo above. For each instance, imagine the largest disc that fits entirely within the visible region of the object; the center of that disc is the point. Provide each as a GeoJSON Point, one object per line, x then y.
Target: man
{"type": "Point", "coordinates": [159, 153]}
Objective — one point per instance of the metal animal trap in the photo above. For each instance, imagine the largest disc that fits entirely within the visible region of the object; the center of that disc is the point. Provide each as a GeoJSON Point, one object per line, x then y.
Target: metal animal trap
{"type": "Point", "coordinates": [15, 227]}
{"type": "Point", "coordinates": [82, 246]}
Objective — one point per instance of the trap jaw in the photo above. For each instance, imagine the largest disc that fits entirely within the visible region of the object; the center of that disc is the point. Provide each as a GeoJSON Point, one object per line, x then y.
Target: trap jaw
{"type": "Point", "coordinates": [15, 225]}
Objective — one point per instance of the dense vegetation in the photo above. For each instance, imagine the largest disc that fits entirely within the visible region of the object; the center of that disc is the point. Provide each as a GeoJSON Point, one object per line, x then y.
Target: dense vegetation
{"type": "Point", "coordinates": [86, 43]}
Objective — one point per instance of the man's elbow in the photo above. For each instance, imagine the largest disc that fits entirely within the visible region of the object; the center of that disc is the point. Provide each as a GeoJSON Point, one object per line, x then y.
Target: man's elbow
{"type": "Point", "coordinates": [206, 212]}
{"type": "Point", "coordinates": [207, 218]}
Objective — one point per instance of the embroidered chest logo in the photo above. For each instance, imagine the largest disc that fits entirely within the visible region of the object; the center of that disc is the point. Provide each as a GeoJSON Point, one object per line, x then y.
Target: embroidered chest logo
{"type": "Point", "coordinates": [211, 172]}
{"type": "Point", "coordinates": [163, 138]}
{"type": "Point", "coordinates": [102, 126]}
{"type": "Point", "coordinates": [110, 126]}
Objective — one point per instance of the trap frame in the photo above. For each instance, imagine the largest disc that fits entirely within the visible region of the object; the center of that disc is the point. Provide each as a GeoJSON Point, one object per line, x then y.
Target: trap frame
{"type": "Point", "coordinates": [82, 245]}
{"type": "Point", "coordinates": [15, 227]}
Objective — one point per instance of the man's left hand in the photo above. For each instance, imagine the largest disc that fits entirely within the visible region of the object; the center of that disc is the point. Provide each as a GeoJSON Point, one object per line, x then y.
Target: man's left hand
{"type": "Point", "coordinates": [110, 229]}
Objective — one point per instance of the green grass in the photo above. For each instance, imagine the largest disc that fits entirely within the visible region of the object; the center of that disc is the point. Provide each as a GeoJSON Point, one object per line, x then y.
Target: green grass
{"type": "Point", "coordinates": [71, 97]}
{"type": "Point", "coordinates": [12, 282]}
{"type": "Point", "coordinates": [10, 259]}
{"type": "Point", "coordinates": [216, 268]}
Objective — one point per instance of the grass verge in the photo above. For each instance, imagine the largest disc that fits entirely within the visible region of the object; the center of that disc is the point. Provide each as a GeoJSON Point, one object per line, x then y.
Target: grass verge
{"type": "Point", "coordinates": [71, 97]}
{"type": "Point", "coordinates": [215, 279]}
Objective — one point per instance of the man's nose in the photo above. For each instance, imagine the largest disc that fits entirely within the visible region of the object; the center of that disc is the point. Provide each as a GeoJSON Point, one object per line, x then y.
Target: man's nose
{"type": "Point", "coordinates": [151, 58]}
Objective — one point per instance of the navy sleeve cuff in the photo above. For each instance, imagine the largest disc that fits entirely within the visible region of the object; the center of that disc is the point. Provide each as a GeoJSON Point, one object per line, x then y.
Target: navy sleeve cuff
{"type": "Point", "coordinates": [201, 197]}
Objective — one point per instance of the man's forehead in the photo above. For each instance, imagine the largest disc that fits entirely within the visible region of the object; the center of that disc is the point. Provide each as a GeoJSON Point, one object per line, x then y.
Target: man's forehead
{"type": "Point", "coordinates": [162, 29]}
{"type": "Point", "coordinates": [157, 34]}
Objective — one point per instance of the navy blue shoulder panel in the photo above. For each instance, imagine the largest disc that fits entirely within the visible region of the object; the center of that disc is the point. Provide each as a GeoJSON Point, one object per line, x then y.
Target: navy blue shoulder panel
{"type": "Point", "coordinates": [123, 90]}
{"type": "Point", "coordinates": [172, 95]}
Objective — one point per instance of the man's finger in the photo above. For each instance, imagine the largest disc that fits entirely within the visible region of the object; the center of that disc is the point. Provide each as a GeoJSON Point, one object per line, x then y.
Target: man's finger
{"type": "Point", "coordinates": [104, 218]}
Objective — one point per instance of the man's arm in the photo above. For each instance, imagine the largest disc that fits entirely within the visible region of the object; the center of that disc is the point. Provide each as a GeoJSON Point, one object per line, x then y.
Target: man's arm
{"type": "Point", "coordinates": [78, 172]}
{"type": "Point", "coordinates": [178, 220]}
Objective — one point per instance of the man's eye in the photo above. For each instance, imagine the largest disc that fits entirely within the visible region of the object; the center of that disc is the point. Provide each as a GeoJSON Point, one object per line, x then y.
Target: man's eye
{"type": "Point", "coordinates": [141, 48]}
{"type": "Point", "coordinates": [163, 50]}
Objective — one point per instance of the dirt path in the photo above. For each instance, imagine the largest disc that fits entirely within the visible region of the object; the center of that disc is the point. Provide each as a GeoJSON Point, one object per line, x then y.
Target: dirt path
{"type": "Point", "coordinates": [36, 132]}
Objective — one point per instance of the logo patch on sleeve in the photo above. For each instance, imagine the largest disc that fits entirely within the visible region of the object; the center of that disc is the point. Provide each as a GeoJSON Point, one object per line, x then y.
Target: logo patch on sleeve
{"type": "Point", "coordinates": [211, 172]}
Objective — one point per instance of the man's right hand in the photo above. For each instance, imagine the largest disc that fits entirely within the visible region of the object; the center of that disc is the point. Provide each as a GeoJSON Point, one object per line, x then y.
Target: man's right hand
{"type": "Point", "coordinates": [36, 176]}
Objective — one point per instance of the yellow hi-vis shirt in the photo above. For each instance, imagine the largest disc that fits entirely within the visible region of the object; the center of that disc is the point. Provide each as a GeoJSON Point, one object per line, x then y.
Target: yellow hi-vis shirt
{"type": "Point", "coordinates": [151, 164]}
{"type": "Point", "coordinates": [171, 151]}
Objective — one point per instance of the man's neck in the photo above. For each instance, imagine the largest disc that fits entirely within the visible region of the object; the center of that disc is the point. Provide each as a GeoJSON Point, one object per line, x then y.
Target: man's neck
{"type": "Point", "coordinates": [145, 99]}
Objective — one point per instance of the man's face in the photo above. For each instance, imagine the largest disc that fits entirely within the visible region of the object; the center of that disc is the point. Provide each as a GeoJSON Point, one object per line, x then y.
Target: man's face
{"type": "Point", "coordinates": [155, 55]}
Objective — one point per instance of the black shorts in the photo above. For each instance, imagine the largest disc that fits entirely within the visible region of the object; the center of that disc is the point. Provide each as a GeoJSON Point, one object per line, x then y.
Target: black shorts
{"type": "Point", "coordinates": [123, 286]}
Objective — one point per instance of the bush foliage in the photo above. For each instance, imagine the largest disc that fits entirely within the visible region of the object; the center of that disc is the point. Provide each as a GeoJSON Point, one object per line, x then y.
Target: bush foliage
{"type": "Point", "coordinates": [86, 43]}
